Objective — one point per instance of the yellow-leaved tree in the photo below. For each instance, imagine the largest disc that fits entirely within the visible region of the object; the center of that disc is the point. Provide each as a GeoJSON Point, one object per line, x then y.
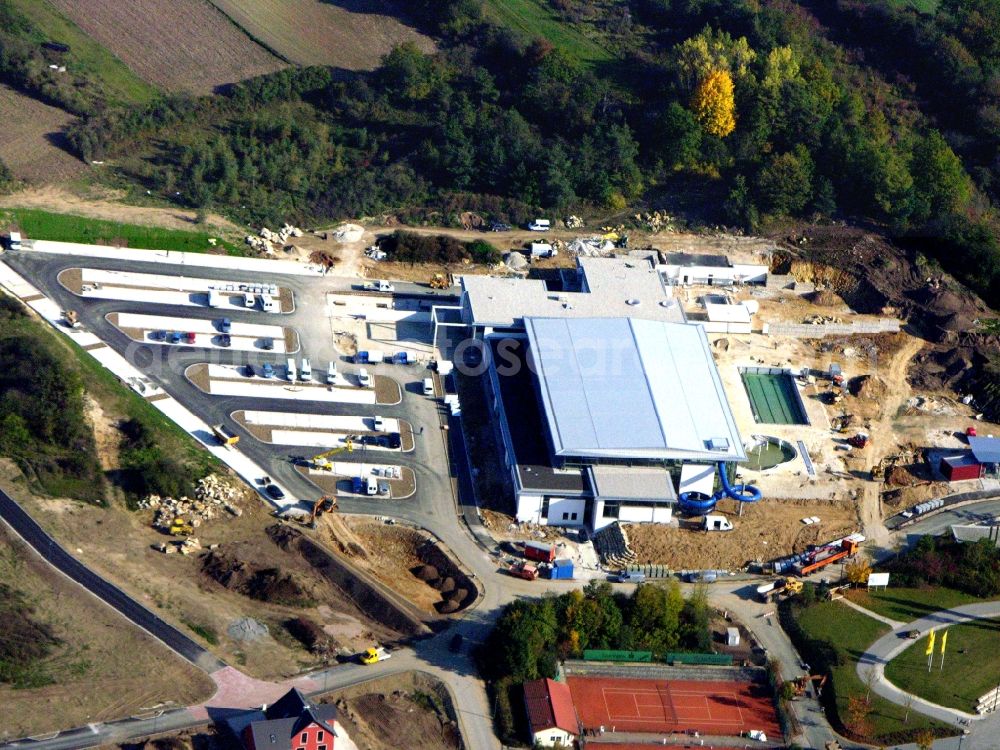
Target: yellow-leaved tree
{"type": "Point", "coordinates": [714, 105]}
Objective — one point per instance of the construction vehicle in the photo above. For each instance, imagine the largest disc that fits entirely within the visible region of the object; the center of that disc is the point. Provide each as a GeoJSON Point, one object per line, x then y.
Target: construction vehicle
{"type": "Point", "coordinates": [800, 684]}
{"type": "Point", "coordinates": [180, 527]}
{"type": "Point", "coordinates": [524, 570]}
{"type": "Point", "coordinates": [440, 281]}
{"type": "Point", "coordinates": [72, 318]}
{"type": "Point", "coordinates": [321, 462]}
{"type": "Point", "coordinates": [860, 440]}
{"type": "Point", "coordinates": [326, 504]}
{"type": "Point", "coordinates": [374, 655]}
{"type": "Point", "coordinates": [225, 435]}
{"type": "Point", "coordinates": [822, 556]}
{"type": "Point", "coordinates": [787, 586]}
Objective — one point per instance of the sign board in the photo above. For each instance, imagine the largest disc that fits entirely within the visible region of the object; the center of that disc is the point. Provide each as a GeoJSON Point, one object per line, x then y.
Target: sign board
{"type": "Point", "coordinates": [878, 579]}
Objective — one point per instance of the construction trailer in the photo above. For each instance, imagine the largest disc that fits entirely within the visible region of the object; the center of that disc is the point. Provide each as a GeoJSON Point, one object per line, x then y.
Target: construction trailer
{"type": "Point", "coordinates": [561, 570]}
{"type": "Point", "coordinates": [820, 557]}
{"type": "Point", "coordinates": [539, 552]}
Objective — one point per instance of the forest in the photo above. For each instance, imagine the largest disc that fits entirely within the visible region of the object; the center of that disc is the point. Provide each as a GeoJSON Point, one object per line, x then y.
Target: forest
{"type": "Point", "coordinates": [745, 113]}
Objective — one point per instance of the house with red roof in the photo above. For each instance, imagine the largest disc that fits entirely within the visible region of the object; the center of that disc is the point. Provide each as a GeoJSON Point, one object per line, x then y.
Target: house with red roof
{"type": "Point", "coordinates": [551, 715]}
{"type": "Point", "coordinates": [293, 723]}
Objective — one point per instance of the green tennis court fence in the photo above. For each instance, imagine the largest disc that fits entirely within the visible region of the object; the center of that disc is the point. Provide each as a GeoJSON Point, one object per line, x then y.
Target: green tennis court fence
{"type": "Point", "coordinates": [599, 654]}
{"type": "Point", "coordinates": [717, 660]}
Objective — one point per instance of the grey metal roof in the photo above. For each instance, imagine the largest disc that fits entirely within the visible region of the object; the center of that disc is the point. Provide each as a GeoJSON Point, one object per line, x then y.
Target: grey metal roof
{"type": "Point", "coordinates": [627, 388]}
{"type": "Point", "coordinates": [696, 259]}
{"type": "Point", "coordinates": [985, 449]}
{"type": "Point", "coordinates": [622, 286]}
{"type": "Point", "coordinates": [631, 483]}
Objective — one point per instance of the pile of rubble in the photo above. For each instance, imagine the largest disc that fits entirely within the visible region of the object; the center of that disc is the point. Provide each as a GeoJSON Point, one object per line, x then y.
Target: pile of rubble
{"type": "Point", "coordinates": [186, 547]}
{"type": "Point", "coordinates": [212, 496]}
{"type": "Point", "coordinates": [265, 241]}
{"type": "Point", "coordinates": [819, 320]}
{"type": "Point", "coordinates": [573, 222]}
{"type": "Point", "coordinates": [655, 222]}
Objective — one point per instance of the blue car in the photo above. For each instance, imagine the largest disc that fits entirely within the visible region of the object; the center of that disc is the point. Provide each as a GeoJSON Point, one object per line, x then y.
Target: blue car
{"type": "Point", "coordinates": [157, 335]}
{"type": "Point", "coordinates": [175, 337]}
{"type": "Point", "coordinates": [225, 325]}
{"type": "Point", "coordinates": [357, 486]}
{"type": "Point", "coordinates": [267, 370]}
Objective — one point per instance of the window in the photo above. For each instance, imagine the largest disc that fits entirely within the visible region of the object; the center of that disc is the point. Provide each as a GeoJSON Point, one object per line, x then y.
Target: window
{"type": "Point", "coordinates": [305, 738]}
{"type": "Point", "coordinates": [319, 736]}
{"type": "Point", "coordinates": [566, 516]}
{"type": "Point", "coordinates": [611, 510]}
{"type": "Point", "coordinates": [322, 747]}
{"type": "Point", "coordinates": [573, 516]}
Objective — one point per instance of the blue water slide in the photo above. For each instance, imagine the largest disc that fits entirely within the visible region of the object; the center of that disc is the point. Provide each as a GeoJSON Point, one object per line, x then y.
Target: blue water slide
{"type": "Point", "coordinates": [696, 503]}
{"type": "Point", "coordinates": [745, 493]}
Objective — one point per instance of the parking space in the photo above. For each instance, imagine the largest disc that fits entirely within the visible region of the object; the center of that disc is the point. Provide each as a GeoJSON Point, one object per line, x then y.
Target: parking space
{"type": "Point", "coordinates": [218, 333]}
{"type": "Point", "coordinates": [347, 479]}
{"type": "Point", "coordinates": [158, 289]}
{"type": "Point", "coordinates": [230, 380]}
{"type": "Point", "coordinates": [323, 431]}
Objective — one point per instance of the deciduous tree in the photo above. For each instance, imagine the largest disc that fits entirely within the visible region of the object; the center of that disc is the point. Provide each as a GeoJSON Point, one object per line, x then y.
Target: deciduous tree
{"type": "Point", "coordinates": [714, 105]}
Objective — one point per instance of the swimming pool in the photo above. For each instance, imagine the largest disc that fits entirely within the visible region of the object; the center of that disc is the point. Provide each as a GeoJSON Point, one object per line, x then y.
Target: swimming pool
{"type": "Point", "coordinates": [773, 396]}
{"type": "Point", "coordinates": [765, 452]}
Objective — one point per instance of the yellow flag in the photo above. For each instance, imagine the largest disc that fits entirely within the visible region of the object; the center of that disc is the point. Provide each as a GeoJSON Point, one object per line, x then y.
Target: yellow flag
{"type": "Point", "coordinates": [930, 643]}
{"type": "Point", "coordinates": [944, 641]}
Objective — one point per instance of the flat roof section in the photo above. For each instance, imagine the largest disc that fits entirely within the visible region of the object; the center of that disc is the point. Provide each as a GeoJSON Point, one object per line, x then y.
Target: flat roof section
{"type": "Point", "coordinates": [527, 429]}
{"type": "Point", "coordinates": [627, 388]}
{"type": "Point", "coordinates": [696, 259]}
{"type": "Point", "coordinates": [622, 286]}
{"type": "Point", "coordinates": [632, 483]}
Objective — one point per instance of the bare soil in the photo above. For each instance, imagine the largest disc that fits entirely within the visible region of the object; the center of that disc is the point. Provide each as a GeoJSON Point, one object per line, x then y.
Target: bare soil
{"type": "Point", "coordinates": [409, 710]}
{"type": "Point", "coordinates": [766, 530]}
{"type": "Point", "coordinates": [120, 545]}
{"type": "Point", "coordinates": [353, 35]}
{"type": "Point", "coordinates": [105, 668]}
{"type": "Point", "coordinates": [33, 141]}
{"type": "Point", "coordinates": [179, 45]}
{"type": "Point", "coordinates": [398, 556]}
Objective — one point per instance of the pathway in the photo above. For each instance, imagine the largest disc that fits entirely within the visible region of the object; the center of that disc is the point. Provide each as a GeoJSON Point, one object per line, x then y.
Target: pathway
{"type": "Point", "coordinates": [894, 624]}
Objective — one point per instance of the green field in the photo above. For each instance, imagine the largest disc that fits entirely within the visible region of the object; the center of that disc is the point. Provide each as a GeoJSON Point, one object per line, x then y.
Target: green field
{"type": "Point", "coordinates": [924, 6]}
{"type": "Point", "coordinates": [906, 605]}
{"type": "Point", "coordinates": [120, 83]}
{"type": "Point", "coordinates": [773, 399]}
{"type": "Point", "coordinates": [535, 19]}
{"type": "Point", "coordinates": [42, 225]}
{"type": "Point", "coordinates": [852, 633]}
{"type": "Point", "coordinates": [971, 666]}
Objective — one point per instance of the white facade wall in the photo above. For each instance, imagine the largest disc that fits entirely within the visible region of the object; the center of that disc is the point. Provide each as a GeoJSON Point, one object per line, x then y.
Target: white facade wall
{"type": "Point", "coordinates": [563, 509]}
{"type": "Point", "coordinates": [631, 514]}
{"type": "Point", "coordinates": [721, 275]}
{"type": "Point", "coordinates": [529, 509]}
{"type": "Point", "coordinates": [750, 274]}
{"type": "Point", "coordinates": [718, 326]}
{"type": "Point", "coordinates": [554, 738]}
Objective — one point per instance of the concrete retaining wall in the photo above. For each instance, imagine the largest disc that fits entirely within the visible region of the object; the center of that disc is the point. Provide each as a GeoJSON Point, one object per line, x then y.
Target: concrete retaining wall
{"type": "Point", "coordinates": [805, 330]}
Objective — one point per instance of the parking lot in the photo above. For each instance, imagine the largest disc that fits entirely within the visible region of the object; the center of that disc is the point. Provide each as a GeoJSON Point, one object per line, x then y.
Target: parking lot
{"type": "Point", "coordinates": [158, 289]}
{"type": "Point", "coordinates": [231, 380]}
{"type": "Point", "coordinates": [220, 333]}
{"type": "Point", "coordinates": [326, 431]}
{"type": "Point", "coordinates": [350, 479]}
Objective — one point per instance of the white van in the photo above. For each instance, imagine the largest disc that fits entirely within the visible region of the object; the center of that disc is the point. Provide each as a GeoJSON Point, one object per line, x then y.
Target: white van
{"type": "Point", "coordinates": [331, 374]}
{"type": "Point", "coordinates": [290, 369]}
{"type": "Point", "coordinates": [249, 300]}
{"type": "Point", "coordinates": [540, 225]}
{"type": "Point", "coordinates": [268, 303]}
{"type": "Point", "coordinates": [364, 378]}
{"type": "Point", "coordinates": [371, 486]}
{"type": "Point", "coordinates": [428, 386]}
{"type": "Point", "coordinates": [306, 372]}
{"type": "Point", "coordinates": [379, 423]}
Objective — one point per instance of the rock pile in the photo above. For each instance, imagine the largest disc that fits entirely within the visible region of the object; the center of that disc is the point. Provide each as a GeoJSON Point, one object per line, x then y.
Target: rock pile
{"type": "Point", "coordinates": [246, 629]}
{"type": "Point", "coordinates": [656, 221]}
{"type": "Point", "coordinates": [612, 545]}
{"type": "Point", "coordinates": [573, 222]}
{"type": "Point", "coordinates": [265, 241]}
{"type": "Point", "coordinates": [212, 496]}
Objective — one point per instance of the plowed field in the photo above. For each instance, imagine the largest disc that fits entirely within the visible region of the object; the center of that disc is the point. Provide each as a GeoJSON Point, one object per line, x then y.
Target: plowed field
{"type": "Point", "coordinates": [179, 45]}
{"type": "Point", "coordinates": [30, 138]}
{"type": "Point", "coordinates": [352, 35]}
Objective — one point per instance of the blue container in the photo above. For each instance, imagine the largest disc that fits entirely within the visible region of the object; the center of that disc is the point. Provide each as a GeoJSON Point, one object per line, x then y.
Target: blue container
{"type": "Point", "coordinates": [561, 570]}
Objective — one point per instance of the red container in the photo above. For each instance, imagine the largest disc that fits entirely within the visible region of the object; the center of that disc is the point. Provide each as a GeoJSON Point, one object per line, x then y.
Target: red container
{"type": "Point", "coordinates": [540, 552]}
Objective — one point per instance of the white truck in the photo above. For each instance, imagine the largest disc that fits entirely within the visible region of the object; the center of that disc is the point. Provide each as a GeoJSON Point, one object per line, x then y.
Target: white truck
{"type": "Point", "coordinates": [715, 522]}
{"type": "Point", "coordinates": [381, 285]}
{"type": "Point", "coordinates": [14, 241]}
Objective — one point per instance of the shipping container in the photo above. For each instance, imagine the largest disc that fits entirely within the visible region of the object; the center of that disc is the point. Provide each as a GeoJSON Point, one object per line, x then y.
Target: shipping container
{"type": "Point", "coordinates": [561, 570]}
{"type": "Point", "coordinates": [541, 552]}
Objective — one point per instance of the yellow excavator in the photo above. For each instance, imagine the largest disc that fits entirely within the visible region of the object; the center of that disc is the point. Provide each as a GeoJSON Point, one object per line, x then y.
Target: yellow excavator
{"type": "Point", "coordinates": [440, 281]}
{"type": "Point", "coordinates": [326, 504]}
{"type": "Point", "coordinates": [180, 527]}
{"type": "Point", "coordinates": [321, 462]}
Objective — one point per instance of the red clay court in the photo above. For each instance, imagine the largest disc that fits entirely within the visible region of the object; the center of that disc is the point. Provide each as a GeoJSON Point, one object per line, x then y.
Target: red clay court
{"type": "Point", "coordinates": [663, 706]}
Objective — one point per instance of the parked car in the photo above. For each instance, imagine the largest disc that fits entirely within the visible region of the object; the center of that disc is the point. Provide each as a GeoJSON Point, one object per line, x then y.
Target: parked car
{"type": "Point", "coordinates": [225, 340]}
{"type": "Point", "coordinates": [157, 335]}
{"type": "Point", "coordinates": [189, 337]}
{"type": "Point", "coordinates": [225, 325]}
{"type": "Point", "coordinates": [357, 486]}
{"type": "Point", "coordinates": [540, 225]}
{"type": "Point", "coordinates": [267, 344]}
{"type": "Point", "coordinates": [364, 378]}
{"type": "Point", "coordinates": [249, 371]}
{"type": "Point", "coordinates": [627, 577]}
{"type": "Point", "coordinates": [174, 337]}
{"type": "Point", "coordinates": [394, 440]}
{"type": "Point", "coordinates": [249, 301]}
{"type": "Point", "coordinates": [499, 226]}
{"type": "Point", "coordinates": [275, 492]}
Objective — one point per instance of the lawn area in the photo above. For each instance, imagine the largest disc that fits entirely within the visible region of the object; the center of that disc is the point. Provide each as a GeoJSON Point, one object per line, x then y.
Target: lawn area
{"type": "Point", "coordinates": [43, 225]}
{"type": "Point", "coordinates": [971, 666]}
{"type": "Point", "coordinates": [536, 19]}
{"type": "Point", "coordinates": [906, 605]}
{"type": "Point", "coordinates": [86, 54]}
{"type": "Point", "coordinates": [852, 632]}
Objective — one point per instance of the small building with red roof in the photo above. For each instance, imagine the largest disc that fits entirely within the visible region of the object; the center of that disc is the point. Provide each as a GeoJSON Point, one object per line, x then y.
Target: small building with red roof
{"type": "Point", "coordinates": [551, 715]}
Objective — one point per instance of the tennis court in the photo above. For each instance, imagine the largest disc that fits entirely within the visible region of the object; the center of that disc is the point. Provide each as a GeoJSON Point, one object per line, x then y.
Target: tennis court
{"type": "Point", "coordinates": [773, 398]}
{"type": "Point", "coordinates": [717, 708]}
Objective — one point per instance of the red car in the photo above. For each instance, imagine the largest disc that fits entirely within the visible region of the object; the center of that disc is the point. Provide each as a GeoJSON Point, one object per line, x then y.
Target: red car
{"type": "Point", "coordinates": [189, 337]}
